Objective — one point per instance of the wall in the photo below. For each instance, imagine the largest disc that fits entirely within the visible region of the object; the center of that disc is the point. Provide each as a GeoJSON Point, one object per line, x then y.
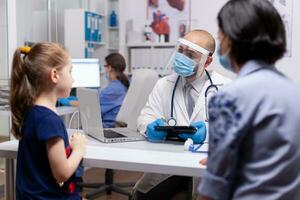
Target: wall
{"type": "Point", "coordinates": [3, 41]}
{"type": "Point", "coordinates": [206, 12]}
{"type": "Point", "coordinates": [4, 121]}
{"type": "Point", "coordinates": [31, 21]}
{"type": "Point", "coordinates": [60, 7]}
{"type": "Point", "coordinates": [290, 65]}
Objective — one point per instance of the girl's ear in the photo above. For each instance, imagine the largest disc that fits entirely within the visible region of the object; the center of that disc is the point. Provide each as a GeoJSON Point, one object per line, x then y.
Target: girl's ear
{"type": "Point", "coordinates": [54, 76]}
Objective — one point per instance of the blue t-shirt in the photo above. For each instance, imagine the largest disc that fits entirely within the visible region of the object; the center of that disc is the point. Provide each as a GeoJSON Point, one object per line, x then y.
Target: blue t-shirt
{"type": "Point", "coordinates": [34, 176]}
{"type": "Point", "coordinates": [111, 99]}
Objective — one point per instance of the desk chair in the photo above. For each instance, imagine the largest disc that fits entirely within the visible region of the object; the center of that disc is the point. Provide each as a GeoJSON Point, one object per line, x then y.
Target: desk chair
{"type": "Point", "coordinates": [142, 83]}
{"type": "Point", "coordinates": [135, 99]}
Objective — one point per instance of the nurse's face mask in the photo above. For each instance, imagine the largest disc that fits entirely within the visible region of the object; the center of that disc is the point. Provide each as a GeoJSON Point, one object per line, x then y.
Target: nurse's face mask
{"type": "Point", "coordinates": [187, 59]}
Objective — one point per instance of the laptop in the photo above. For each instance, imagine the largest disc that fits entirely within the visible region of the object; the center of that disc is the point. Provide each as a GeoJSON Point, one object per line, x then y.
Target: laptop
{"type": "Point", "coordinates": [90, 115]}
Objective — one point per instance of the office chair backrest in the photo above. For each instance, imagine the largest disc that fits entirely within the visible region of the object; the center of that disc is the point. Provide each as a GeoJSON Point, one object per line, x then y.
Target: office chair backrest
{"type": "Point", "coordinates": [141, 85]}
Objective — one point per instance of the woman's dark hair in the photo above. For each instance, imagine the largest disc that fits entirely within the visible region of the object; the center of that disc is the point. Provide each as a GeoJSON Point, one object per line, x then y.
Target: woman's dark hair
{"type": "Point", "coordinates": [29, 77]}
{"type": "Point", "coordinates": [255, 29]}
{"type": "Point", "coordinates": [117, 62]}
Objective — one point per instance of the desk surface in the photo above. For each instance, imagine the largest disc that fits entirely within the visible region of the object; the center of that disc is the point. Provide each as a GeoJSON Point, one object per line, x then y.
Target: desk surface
{"type": "Point", "coordinates": [165, 158]}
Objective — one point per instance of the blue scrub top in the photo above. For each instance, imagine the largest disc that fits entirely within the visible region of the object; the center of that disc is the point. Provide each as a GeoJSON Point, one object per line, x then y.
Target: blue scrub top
{"type": "Point", "coordinates": [111, 98]}
{"type": "Point", "coordinates": [34, 176]}
{"type": "Point", "coordinates": [254, 141]}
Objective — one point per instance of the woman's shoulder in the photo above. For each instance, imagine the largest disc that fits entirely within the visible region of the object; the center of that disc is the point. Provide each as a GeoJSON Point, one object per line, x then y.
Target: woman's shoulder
{"type": "Point", "coordinates": [116, 83]}
{"type": "Point", "coordinates": [114, 86]}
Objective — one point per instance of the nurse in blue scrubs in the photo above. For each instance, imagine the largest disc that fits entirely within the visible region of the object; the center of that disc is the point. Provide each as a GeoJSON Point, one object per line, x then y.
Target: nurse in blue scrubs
{"type": "Point", "coordinates": [112, 96]}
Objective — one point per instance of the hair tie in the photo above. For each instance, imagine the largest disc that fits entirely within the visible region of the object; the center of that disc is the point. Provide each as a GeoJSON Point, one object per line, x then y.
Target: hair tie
{"type": "Point", "coordinates": [25, 50]}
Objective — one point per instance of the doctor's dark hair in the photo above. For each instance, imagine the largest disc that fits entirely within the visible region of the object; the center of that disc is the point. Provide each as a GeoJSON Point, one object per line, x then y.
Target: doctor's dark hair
{"type": "Point", "coordinates": [255, 30]}
{"type": "Point", "coordinates": [118, 64]}
{"type": "Point", "coordinates": [30, 77]}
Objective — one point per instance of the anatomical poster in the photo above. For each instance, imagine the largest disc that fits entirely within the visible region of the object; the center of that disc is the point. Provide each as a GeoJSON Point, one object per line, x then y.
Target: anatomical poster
{"type": "Point", "coordinates": [169, 19]}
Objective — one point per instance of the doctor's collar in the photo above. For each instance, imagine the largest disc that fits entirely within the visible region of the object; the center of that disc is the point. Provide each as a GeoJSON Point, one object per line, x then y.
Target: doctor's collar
{"type": "Point", "coordinates": [197, 84]}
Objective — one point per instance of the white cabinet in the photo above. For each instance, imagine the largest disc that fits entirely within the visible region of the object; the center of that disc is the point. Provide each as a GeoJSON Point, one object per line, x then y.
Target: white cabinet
{"type": "Point", "coordinates": [83, 32]}
{"type": "Point", "coordinates": [78, 28]}
{"type": "Point", "coordinates": [149, 56]}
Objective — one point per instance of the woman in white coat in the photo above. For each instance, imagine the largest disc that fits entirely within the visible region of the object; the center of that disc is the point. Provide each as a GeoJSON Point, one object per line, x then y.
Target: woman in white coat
{"type": "Point", "coordinates": [158, 106]}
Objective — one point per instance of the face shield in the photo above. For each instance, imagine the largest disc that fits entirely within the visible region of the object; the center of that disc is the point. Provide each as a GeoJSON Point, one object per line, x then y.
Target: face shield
{"type": "Point", "coordinates": [188, 59]}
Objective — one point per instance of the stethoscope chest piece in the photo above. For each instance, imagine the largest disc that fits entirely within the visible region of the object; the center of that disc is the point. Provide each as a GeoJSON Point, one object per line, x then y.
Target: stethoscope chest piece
{"type": "Point", "coordinates": [172, 121]}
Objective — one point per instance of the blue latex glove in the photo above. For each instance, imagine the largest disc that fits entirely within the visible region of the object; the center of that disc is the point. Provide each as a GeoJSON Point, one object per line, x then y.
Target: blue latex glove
{"type": "Point", "coordinates": [152, 134]}
{"type": "Point", "coordinates": [199, 136]}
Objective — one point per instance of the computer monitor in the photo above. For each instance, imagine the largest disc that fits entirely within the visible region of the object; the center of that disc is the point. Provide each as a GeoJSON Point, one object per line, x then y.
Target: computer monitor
{"type": "Point", "coordinates": [86, 72]}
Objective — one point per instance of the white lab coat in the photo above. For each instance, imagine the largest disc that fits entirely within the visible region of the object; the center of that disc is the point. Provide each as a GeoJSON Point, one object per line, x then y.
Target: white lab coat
{"type": "Point", "coordinates": [159, 106]}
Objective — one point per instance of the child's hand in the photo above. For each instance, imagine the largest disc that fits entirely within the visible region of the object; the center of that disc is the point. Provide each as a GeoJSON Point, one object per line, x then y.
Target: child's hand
{"type": "Point", "coordinates": [203, 161]}
{"type": "Point", "coordinates": [78, 143]}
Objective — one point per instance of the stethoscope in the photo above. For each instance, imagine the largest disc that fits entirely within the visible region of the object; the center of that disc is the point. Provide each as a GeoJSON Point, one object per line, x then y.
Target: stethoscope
{"type": "Point", "coordinates": [212, 88]}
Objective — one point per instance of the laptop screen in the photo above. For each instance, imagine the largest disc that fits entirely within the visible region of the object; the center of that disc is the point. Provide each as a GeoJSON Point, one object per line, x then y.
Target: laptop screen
{"type": "Point", "coordinates": [86, 73]}
{"type": "Point", "coordinates": [90, 114]}
{"type": "Point", "coordinates": [89, 107]}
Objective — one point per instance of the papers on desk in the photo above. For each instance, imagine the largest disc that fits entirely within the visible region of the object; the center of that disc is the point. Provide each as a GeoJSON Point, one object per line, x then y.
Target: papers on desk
{"type": "Point", "coordinates": [4, 96]}
{"type": "Point", "coordinates": [202, 149]}
{"type": "Point", "coordinates": [4, 107]}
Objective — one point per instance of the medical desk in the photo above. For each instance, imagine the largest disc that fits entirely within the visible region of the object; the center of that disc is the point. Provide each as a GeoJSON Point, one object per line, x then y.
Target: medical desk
{"type": "Point", "coordinates": [164, 158]}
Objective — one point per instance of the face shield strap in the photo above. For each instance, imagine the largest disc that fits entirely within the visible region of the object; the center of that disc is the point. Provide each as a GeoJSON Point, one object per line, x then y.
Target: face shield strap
{"type": "Point", "coordinates": [194, 46]}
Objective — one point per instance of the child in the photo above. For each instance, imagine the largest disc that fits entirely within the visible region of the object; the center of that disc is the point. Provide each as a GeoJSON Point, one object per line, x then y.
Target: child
{"type": "Point", "coordinates": [46, 160]}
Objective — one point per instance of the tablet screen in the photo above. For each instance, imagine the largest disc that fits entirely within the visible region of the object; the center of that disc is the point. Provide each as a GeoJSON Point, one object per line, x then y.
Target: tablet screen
{"type": "Point", "coordinates": [177, 129]}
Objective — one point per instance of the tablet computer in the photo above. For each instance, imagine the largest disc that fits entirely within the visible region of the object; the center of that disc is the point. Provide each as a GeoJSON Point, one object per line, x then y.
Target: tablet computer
{"type": "Point", "coordinates": [176, 129]}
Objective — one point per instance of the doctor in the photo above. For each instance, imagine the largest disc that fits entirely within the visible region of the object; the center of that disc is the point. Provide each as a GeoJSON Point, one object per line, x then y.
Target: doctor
{"type": "Point", "coordinates": [179, 99]}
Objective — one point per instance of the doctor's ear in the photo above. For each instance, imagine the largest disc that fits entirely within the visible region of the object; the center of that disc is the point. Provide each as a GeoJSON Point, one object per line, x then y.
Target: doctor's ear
{"type": "Point", "coordinates": [208, 61]}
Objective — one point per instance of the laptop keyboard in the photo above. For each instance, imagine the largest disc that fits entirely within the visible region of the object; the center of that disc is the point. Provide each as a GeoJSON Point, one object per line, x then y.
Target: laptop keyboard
{"type": "Point", "coordinates": [112, 134]}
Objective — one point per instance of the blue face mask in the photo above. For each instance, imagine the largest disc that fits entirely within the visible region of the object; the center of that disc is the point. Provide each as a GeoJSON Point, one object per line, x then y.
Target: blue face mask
{"type": "Point", "coordinates": [183, 65]}
{"type": "Point", "coordinates": [224, 60]}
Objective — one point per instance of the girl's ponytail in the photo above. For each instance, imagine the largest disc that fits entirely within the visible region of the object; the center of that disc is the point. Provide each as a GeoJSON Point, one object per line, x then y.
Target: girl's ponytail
{"type": "Point", "coordinates": [30, 77]}
{"type": "Point", "coordinates": [20, 95]}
